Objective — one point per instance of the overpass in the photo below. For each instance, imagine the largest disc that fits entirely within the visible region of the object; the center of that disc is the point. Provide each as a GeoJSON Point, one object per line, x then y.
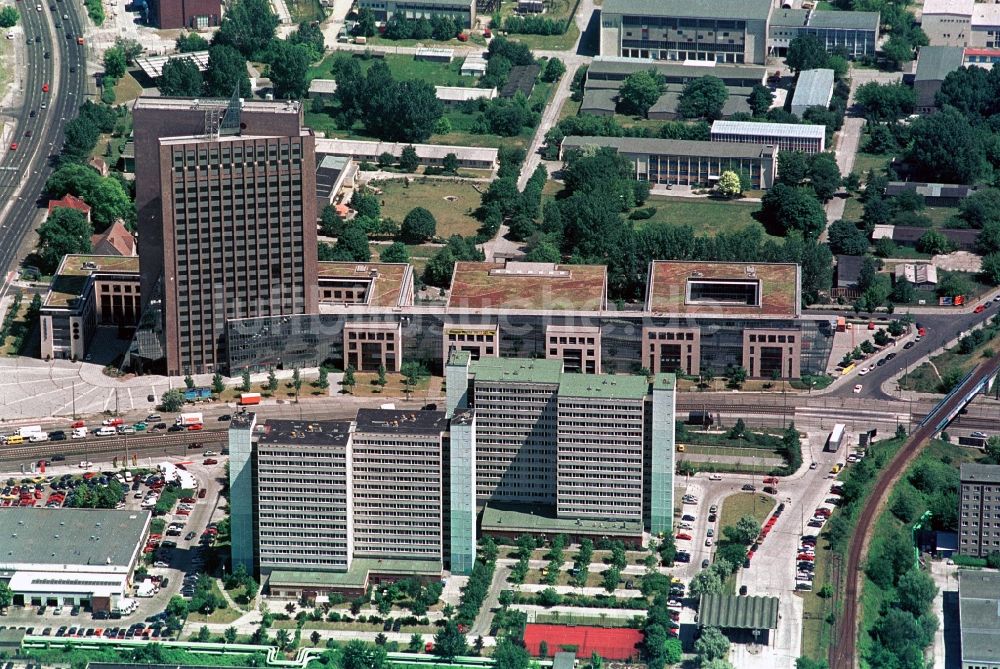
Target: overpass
{"type": "Point", "coordinates": [843, 651]}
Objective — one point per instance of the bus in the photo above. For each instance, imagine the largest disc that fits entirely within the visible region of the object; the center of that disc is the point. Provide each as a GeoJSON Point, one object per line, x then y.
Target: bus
{"type": "Point", "coordinates": [836, 437]}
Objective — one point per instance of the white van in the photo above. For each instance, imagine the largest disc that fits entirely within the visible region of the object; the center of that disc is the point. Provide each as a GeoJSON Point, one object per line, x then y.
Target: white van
{"type": "Point", "coordinates": [106, 431]}
{"type": "Point", "coordinates": [38, 436]}
{"type": "Point", "coordinates": [79, 433]}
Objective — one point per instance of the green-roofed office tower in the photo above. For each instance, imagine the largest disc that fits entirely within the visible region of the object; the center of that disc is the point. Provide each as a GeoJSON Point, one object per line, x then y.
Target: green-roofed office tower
{"type": "Point", "coordinates": [660, 454]}
{"type": "Point", "coordinates": [241, 490]}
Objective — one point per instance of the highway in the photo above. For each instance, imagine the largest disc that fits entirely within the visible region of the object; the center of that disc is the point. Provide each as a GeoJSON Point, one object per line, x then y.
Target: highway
{"type": "Point", "coordinates": [843, 650]}
{"type": "Point", "coordinates": [23, 172]}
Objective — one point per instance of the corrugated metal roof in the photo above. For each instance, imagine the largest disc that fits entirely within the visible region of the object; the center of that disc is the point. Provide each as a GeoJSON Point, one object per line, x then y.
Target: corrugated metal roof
{"type": "Point", "coordinates": [731, 612]}
{"type": "Point", "coordinates": [718, 9]}
{"type": "Point", "coordinates": [935, 62]}
{"type": "Point", "coordinates": [769, 129]}
{"type": "Point", "coordinates": [814, 88]}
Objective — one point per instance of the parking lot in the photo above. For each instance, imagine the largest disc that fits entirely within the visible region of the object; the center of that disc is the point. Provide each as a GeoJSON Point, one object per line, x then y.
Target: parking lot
{"type": "Point", "coordinates": [173, 557]}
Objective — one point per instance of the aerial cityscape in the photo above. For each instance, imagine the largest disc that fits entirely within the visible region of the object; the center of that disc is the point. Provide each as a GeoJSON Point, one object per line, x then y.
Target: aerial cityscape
{"type": "Point", "coordinates": [500, 334]}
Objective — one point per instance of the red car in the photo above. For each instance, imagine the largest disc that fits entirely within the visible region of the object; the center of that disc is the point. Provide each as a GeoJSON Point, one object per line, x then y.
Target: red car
{"type": "Point", "coordinates": [77, 424]}
{"type": "Point", "coordinates": [188, 500]}
{"type": "Point", "coordinates": [210, 461]}
{"type": "Point", "coordinates": [805, 557]}
{"type": "Point", "coordinates": [684, 537]}
{"type": "Point", "coordinates": [183, 512]}
{"type": "Point", "coordinates": [462, 37]}
{"type": "Point", "coordinates": [771, 479]}
{"type": "Point", "coordinates": [45, 88]}
{"type": "Point", "coordinates": [195, 427]}
{"type": "Point", "coordinates": [825, 513]}
{"type": "Point", "coordinates": [13, 146]}
{"type": "Point", "coordinates": [980, 309]}
{"type": "Point", "coordinates": [922, 332]}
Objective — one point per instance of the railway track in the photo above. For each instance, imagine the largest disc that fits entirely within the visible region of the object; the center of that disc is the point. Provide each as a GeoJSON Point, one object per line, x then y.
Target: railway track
{"type": "Point", "coordinates": [165, 442]}
{"type": "Point", "coordinates": [843, 651]}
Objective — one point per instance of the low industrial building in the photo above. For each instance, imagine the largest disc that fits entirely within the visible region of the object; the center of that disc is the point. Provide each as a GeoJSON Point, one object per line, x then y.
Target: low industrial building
{"type": "Point", "coordinates": [323, 89]}
{"type": "Point", "coordinates": [786, 136]}
{"type": "Point", "coordinates": [434, 55]}
{"type": "Point", "coordinates": [473, 66]}
{"type": "Point", "coordinates": [611, 72]}
{"type": "Point", "coordinates": [463, 12]}
{"type": "Point", "coordinates": [814, 88]}
{"type": "Point", "coordinates": [152, 66]}
{"type": "Point", "coordinates": [686, 162]}
{"type": "Point", "coordinates": [521, 80]}
{"type": "Point", "coordinates": [853, 33]}
{"type": "Point", "coordinates": [923, 275]}
{"type": "Point", "coordinates": [935, 195]}
{"type": "Point", "coordinates": [934, 63]}
{"type": "Point", "coordinates": [978, 619]}
{"type": "Point", "coordinates": [333, 174]}
{"type": "Point", "coordinates": [452, 96]}
{"type": "Point", "coordinates": [742, 619]}
{"type": "Point", "coordinates": [88, 292]}
{"type": "Point", "coordinates": [848, 271]}
{"type": "Point", "coordinates": [73, 557]}
{"type": "Point", "coordinates": [962, 239]}
{"type": "Point", "coordinates": [474, 157]}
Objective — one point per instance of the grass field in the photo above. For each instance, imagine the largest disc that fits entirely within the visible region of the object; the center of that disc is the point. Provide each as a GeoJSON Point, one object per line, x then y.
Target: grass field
{"type": "Point", "coordinates": [405, 67]}
{"type": "Point", "coordinates": [742, 504]}
{"type": "Point", "coordinates": [306, 11]}
{"type": "Point", "coordinates": [221, 616]}
{"type": "Point", "coordinates": [551, 42]}
{"type": "Point", "coordinates": [453, 215]}
{"type": "Point", "coordinates": [865, 162]}
{"type": "Point", "coordinates": [707, 217]}
{"type": "Point", "coordinates": [127, 89]}
{"type": "Point", "coordinates": [924, 379]}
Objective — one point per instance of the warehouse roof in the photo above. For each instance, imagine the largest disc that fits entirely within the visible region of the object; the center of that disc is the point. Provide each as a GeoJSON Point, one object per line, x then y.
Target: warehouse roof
{"type": "Point", "coordinates": [975, 473]}
{"type": "Point", "coordinates": [62, 537]}
{"type": "Point", "coordinates": [732, 612]}
{"type": "Point", "coordinates": [814, 88]}
{"type": "Point", "coordinates": [463, 93]}
{"type": "Point", "coordinates": [673, 147]}
{"type": "Point", "coordinates": [956, 191]}
{"type": "Point", "coordinates": [720, 9]}
{"type": "Point", "coordinates": [778, 292]}
{"type": "Point", "coordinates": [528, 285]}
{"type": "Point", "coordinates": [322, 87]}
{"type": "Point", "coordinates": [979, 616]}
{"type": "Point", "coordinates": [604, 67]}
{"type": "Point", "coordinates": [769, 129]}
{"type": "Point", "coordinates": [599, 100]}
{"type": "Point", "coordinates": [934, 63]}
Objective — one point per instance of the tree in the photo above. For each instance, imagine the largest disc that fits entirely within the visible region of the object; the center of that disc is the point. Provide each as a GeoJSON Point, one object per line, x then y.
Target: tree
{"type": "Point", "coordinates": [933, 242]}
{"type": "Point", "coordinates": [450, 162]}
{"type": "Point", "coordinates": [897, 50]}
{"type": "Point", "coordinates": [296, 382]}
{"type": "Point", "coordinates": [793, 167]}
{"type": "Point", "coordinates": [229, 635]}
{"type": "Point", "coordinates": [640, 91]}
{"type": "Point", "coordinates": [916, 591]}
{"type": "Point", "coordinates": [188, 381]}
{"type": "Point", "coordinates": [188, 42]}
{"type": "Point", "coordinates": [315, 637]}
{"type": "Point", "coordinates": [952, 284]}
{"type": "Point", "coordinates": [352, 245]}
{"type": "Point", "coordinates": [310, 36]}
{"type": "Point", "coordinates": [438, 270]}
{"type": "Point", "coordinates": [745, 532]}
{"type": "Point", "coordinates": [981, 208]}
{"type": "Point", "coordinates": [348, 381]}
{"type": "Point", "coordinates": [172, 401]}
{"type": "Point", "coordinates": [449, 643]}
{"type": "Point", "coordinates": [729, 184]}
{"type": "Point", "coordinates": [418, 226]}
{"type": "Point", "coordinates": [846, 238]}
{"type": "Point", "coordinates": [217, 384]}
{"type": "Point", "coordinates": [990, 268]}
{"type": "Point", "coordinates": [358, 654]}
{"type": "Point", "coordinates": [711, 645]}
{"type": "Point", "coordinates": [886, 102]}
{"type": "Point", "coordinates": [6, 595]}
{"type": "Point", "coordinates": [380, 380]}
{"type": "Point", "coordinates": [510, 655]}
{"type": "Point", "coordinates": [761, 99]}
{"type": "Point", "coordinates": [612, 577]}
{"type": "Point", "coordinates": [114, 62]}
{"type": "Point", "coordinates": [793, 209]}
{"type": "Point", "coordinates": [248, 26]}
{"type": "Point", "coordinates": [945, 148]}
{"type": "Point", "coordinates": [703, 97]}
{"type": "Point", "coordinates": [706, 582]}
{"type": "Point", "coordinates": [288, 65]}
{"type": "Point", "coordinates": [443, 28]}
{"type": "Point", "coordinates": [824, 175]}
{"type": "Point", "coordinates": [323, 382]}
{"type": "Point", "coordinates": [245, 383]}
{"type": "Point", "coordinates": [226, 71]}
{"type": "Point", "coordinates": [553, 70]}
{"type": "Point", "coordinates": [8, 17]}
{"type": "Point", "coordinates": [416, 643]}
{"type": "Point", "coordinates": [395, 252]}
{"type": "Point", "coordinates": [181, 77]}
{"type": "Point", "coordinates": [365, 27]}
{"type": "Point", "coordinates": [408, 159]}
{"type": "Point", "coordinates": [806, 52]}
{"type": "Point", "coordinates": [64, 231]}
{"type": "Point", "coordinates": [902, 293]}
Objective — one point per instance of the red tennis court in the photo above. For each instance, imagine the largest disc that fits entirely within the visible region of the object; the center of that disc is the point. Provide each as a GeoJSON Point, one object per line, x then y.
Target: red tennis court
{"type": "Point", "coordinates": [616, 643]}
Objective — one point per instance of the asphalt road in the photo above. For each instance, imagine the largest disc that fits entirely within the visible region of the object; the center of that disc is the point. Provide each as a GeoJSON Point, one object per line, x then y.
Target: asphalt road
{"type": "Point", "coordinates": [23, 172]}
{"type": "Point", "coordinates": [941, 329]}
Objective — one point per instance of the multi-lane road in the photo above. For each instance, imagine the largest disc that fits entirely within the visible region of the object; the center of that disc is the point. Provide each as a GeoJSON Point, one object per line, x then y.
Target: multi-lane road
{"type": "Point", "coordinates": [23, 171]}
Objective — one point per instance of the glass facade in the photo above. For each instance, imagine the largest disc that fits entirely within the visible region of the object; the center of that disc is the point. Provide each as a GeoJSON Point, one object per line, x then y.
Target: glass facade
{"type": "Point", "coordinates": [241, 491]}
{"type": "Point", "coordinates": [462, 493]}
{"type": "Point", "coordinates": [661, 454]}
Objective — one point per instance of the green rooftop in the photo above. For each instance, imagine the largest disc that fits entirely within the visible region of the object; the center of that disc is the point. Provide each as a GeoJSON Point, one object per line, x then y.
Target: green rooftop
{"type": "Point", "coordinates": [603, 386]}
{"type": "Point", "coordinates": [664, 381]}
{"type": "Point", "coordinates": [732, 612]}
{"type": "Point", "coordinates": [357, 575]}
{"type": "Point", "coordinates": [537, 519]}
{"type": "Point", "coordinates": [70, 281]}
{"type": "Point", "coordinates": [521, 370]}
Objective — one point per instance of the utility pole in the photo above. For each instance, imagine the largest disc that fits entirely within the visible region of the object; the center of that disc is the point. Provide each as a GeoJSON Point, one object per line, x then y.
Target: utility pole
{"type": "Point", "coordinates": [74, 400]}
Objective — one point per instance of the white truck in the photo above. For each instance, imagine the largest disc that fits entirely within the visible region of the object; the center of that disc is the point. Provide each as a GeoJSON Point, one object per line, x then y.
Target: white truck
{"type": "Point", "coordinates": [38, 436]}
{"type": "Point", "coordinates": [193, 418]}
{"type": "Point", "coordinates": [29, 430]}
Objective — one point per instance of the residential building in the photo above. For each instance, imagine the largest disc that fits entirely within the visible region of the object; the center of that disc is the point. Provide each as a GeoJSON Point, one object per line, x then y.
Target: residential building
{"type": "Point", "coordinates": [786, 136]}
{"type": "Point", "coordinates": [853, 33]}
{"type": "Point", "coordinates": [428, 154]}
{"type": "Point", "coordinates": [814, 88]}
{"type": "Point", "coordinates": [226, 202]}
{"type": "Point", "coordinates": [463, 12]}
{"type": "Point", "coordinates": [979, 524]}
{"type": "Point", "coordinates": [88, 292]}
{"type": "Point", "coordinates": [848, 271]}
{"type": "Point", "coordinates": [698, 316]}
{"type": "Point", "coordinates": [727, 31]}
{"type": "Point", "coordinates": [685, 162]}
{"type": "Point", "coordinates": [72, 557]}
{"type": "Point", "coordinates": [115, 241]}
{"type": "Point", "coordinates": [981, 57]}
{"type": "Point", "coordinates": [978, 622]}
{"type": "Point", "coordinates": [934, 63]}
{"type": "Point", "coordinates": [70, 201]}
{"type": "Point", "coordinates": [191, 14]}
{"type": "Point", "coordinates": [947, 22]}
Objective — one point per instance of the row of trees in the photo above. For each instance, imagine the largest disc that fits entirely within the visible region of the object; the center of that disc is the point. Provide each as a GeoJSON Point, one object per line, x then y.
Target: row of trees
{"type": "Point", "coordinates": [438, 27]}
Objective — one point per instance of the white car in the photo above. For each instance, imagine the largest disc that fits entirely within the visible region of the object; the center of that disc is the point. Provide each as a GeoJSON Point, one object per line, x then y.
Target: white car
{"type": "Point", "coordinates": [857, 388]}
{"type": "Point", "coordinates": [715, 477]}
{"type": "Point", "coordinates": [864, 370]}
{"type": "Point", "coordinates": [708, 542]}
{"type": "Point", "coordinates": [979, 435]}
{"type": "Point", "coordinates": [160, 563]}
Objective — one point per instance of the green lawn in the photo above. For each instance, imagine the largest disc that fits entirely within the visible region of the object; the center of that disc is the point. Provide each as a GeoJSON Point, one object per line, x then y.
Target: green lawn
{"type": "Point", "coordinates": [707, 217]}
{"type": "Point", "coordinates": [742, 504]}
{"type": "Point", "coordinates": [127, 89]}
{"type": "Point", "coordinates": [474, 38]}
{"type": "Point", "coordinates": [924, 379]}
{"type": "Point", "coordinates": [405, 67]}
{"type": "Point", "coordinates": [306, 11]}
{"type": "Point", "coordinates": [864, 162]}
{"type": "Point", "coordinates": [562, 42]}
{"type": "Point", "coordinates": [451, 203]}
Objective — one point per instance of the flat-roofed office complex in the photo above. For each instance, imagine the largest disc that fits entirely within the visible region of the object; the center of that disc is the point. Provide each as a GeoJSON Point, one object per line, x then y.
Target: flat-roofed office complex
{"type": "Point", "coordinates": [727, 31]}
{"type": "Point", "coordinates": [227, 221]}
{"type": "Point", "coordinates": [852, 33]}
{"type": "Point", "coordinates": [304, 494]}
{"type": "Point", "coordinates": [979, 532]}
{"type": "Point", "coordinates": [786, 136]}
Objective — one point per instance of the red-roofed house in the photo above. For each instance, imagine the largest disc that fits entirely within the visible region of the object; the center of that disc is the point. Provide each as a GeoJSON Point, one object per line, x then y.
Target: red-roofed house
{"type": "Point", "coordinates": [115, 241]}
{"type": "Point", "coordinates": [611, 643]}
{"type": "Point", "coordinates": [71, 202]}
